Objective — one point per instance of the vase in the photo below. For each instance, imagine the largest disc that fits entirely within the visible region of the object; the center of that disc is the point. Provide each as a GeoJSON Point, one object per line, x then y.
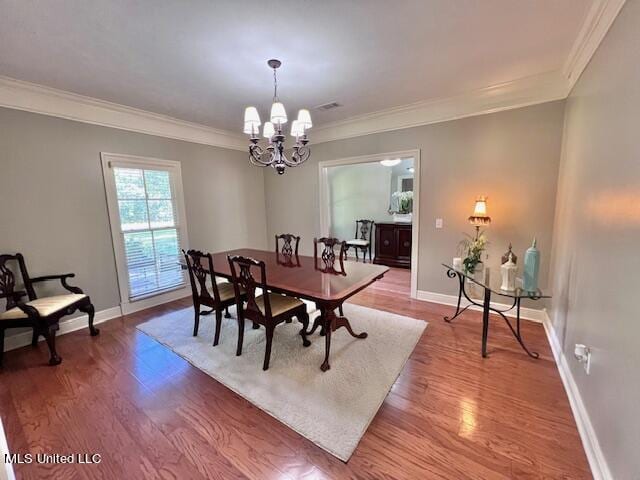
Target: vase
{"type": "Point", "coordinates": [508, 271]}
{"type": "Point", "coordinates": [478, 273]}
{"type": "Point", "coordinates": [531, 268]}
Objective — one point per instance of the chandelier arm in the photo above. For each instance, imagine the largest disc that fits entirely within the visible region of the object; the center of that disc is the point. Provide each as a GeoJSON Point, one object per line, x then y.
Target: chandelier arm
{"type": "Point", "coordinates": [300, 155]}
{"type": "Point", "coordinates": [255, 156]}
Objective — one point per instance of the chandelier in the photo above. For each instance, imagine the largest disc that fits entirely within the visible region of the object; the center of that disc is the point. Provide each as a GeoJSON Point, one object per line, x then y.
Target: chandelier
{"type": "Point", "coordinates": [273, 155]}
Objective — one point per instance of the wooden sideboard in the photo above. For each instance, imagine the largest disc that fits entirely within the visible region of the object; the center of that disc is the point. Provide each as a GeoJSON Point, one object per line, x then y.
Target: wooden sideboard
{"type": "Point", "coordinates": [393, 244]}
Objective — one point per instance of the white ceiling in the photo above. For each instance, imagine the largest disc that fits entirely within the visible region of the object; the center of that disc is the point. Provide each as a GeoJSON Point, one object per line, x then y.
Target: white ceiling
{"type": "Point", "coordinates": [203, 61]}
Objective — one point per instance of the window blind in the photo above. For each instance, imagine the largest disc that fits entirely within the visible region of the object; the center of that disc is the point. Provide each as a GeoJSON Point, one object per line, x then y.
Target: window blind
{"type": "Point", "coordinates": [151, 235]}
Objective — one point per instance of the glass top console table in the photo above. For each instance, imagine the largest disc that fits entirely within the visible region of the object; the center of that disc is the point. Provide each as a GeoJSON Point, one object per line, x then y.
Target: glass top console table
{"type": "Point", "coordinates": [489, 288]}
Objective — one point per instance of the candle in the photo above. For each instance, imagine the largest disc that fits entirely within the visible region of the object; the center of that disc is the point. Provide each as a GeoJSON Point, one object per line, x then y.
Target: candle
{"type": "Point", "coordinates": [457, 263]}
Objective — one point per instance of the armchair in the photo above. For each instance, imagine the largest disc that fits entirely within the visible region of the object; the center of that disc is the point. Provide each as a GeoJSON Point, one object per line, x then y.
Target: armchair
{"type": "Point", "coordinates": [41, 314]}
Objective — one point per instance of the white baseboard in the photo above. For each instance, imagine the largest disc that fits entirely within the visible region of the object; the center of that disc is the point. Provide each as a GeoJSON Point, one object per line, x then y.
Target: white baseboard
{"type": "Point", "coordinates": [595, 456]}
{"type": "Point", "coordinates": [532, 314]}
{"type": "Point", "coordinates": [66, 326]}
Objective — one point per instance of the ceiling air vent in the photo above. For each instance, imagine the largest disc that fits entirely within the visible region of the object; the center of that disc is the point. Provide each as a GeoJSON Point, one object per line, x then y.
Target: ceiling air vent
{"type": "Point", "coordinates": [328, 106]}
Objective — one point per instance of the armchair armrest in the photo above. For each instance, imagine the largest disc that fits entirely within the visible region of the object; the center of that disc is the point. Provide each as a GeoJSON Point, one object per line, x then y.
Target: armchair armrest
{"type": "Point", "coordinates": [44, 278]}
{"type": "Point", "coordinates": [63, 279]}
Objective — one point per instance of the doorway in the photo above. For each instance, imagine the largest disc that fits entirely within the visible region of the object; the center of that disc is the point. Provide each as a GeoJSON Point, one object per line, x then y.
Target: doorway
{"type": "Point", "coordinates": [382, 187]}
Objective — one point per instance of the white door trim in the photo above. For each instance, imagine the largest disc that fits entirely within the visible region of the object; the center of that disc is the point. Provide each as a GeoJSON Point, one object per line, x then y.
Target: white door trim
{"type": "Point", "coordinates": [325, 216]}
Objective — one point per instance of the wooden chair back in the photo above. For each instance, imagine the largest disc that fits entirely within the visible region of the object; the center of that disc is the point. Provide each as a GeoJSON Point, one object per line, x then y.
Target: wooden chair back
{"type": "Point", "coordinates": [200, 267]}
{"type": "Point", "coordinates": [326, 261]}
{"type": "Point", "coordinates": [8, 280]}
{"type": "Point", "coordinates": [287, 248]}
{"type": "Point", "coordinates": [242, 276]}
{"type": "Point", "coordinates": [364, 228]}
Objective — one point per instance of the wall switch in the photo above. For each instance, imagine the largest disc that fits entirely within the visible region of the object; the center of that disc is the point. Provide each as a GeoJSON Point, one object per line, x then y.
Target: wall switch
{"type": "Point", "coordinates": [439, 223]}
{"type": "Point", "coordinates": [583, 355]}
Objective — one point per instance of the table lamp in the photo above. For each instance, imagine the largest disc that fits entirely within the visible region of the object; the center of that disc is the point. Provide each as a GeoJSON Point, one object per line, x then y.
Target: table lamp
{"type": "Point", "coordinates": [480, 217]}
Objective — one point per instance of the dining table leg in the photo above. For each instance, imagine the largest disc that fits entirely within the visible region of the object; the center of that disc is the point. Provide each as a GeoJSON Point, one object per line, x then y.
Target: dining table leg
{"type": "Point", "coordinates": [330, 323]}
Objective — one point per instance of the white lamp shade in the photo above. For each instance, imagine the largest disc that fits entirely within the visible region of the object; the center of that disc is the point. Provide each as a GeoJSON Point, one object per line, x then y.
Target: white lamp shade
{"type": "Point", "coordinates": [390, 163]}
{"type": "Point", "coordinates": [480, 208]}
{"type": "Point", "coordinates": [304, 118]}
{"type": "Point", "coordinates": [251, 128]}
{"type": "Point", "coordinates": [297, 129]}
{"type": "Point", "coordinates": [251, 117]}
{"type": "Point", "coordinates": [268, 131]}
{"type": "Point", "coordinates": [278, 114]}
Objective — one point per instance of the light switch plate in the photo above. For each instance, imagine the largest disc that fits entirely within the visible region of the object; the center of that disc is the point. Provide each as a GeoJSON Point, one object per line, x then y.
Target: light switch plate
{"type": "Point", "coordinates": [439, 223]}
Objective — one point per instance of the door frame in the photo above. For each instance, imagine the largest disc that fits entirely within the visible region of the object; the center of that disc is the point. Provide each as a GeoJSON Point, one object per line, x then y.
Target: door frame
{"type": "Point", "coordinates": [325, 216]}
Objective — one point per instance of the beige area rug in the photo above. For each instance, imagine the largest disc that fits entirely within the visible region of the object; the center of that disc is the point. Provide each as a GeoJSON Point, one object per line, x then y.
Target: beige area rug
{"type": "Point", "coordinates": [332, 409]}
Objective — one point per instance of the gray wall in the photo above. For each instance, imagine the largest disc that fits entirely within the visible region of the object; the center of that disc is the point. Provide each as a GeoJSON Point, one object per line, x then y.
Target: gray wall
{"type": "Point", "coordinates": [511, 156]}
{"type": "Point", "coordinates": [54, 207]}
{"type": "Point", "coordinates": [355, 192]}
{"type": "Point", "coordinates": [596, 266]}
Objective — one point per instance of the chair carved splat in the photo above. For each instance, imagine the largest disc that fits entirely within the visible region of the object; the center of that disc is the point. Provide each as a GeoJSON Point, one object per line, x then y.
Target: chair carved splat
{"type": "Point", "coordinates": [326, 262]}
{"type": "Point", "coordinates": [287, 248]}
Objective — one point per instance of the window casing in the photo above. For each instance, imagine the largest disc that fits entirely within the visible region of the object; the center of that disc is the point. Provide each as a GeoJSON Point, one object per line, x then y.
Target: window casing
{"type": "Point", "coordinates": [146, 212]}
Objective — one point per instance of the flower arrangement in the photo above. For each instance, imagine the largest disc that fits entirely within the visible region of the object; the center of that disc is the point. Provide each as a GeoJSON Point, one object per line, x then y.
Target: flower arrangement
{"type": "Point", "coordinates": [473, 247]}
{"type": "Point", "coordinates": [405, 201]}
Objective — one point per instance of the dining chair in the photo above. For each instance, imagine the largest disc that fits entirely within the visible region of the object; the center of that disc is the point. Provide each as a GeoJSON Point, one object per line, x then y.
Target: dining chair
{"type": "Point", "coordinates": [200, 267]}
{"type": "Point", "coordinates": [268, 309]}
{"type": "Point", "coordinates": [41, 313]}
{"type": "Point", "coordinates": [362, 240]}
{"type": "Point", "coordinates": [287, 248]}
{"type": "Point", "coordinates": [326, 262]}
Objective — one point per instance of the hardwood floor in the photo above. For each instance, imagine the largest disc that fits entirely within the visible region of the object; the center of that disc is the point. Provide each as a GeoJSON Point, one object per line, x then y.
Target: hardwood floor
{"type": "Point", "coordinates": [451, 414]}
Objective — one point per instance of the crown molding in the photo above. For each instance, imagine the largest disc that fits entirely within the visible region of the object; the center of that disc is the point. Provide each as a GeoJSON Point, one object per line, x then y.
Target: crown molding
{"type": "Point", "coordinates": [597, 22]}
{"type": "Point", "coordinates": [35, 98]}
{"type": "Point", "coordinates": [518, 93]}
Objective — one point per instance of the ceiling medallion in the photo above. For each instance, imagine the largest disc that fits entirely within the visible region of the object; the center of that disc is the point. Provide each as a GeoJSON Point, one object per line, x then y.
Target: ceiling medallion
{"type": "Point", "coordinates": [273, 155]}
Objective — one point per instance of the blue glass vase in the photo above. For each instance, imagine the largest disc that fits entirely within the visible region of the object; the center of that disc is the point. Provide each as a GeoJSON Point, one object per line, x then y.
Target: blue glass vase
{"type": "Point", "coordinates": [531, 268]}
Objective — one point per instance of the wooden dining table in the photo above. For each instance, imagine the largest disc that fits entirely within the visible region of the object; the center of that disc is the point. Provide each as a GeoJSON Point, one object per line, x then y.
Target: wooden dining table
{"type": "Point", "coordinates": [302, 277]}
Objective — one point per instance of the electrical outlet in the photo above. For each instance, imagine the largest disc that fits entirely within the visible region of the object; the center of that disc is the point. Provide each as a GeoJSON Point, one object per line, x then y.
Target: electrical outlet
{"type": "Point", "coordinates": [439, 223]}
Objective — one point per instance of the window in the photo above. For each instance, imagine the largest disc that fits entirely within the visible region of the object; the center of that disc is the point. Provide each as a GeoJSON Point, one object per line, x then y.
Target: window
{"type": "Point", "coordinates": [146, 211]}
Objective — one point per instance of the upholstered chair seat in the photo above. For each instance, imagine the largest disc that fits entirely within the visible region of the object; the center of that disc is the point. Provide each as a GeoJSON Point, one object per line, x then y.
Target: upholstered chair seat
{"type": "Point", "coordinates": [358, 242]}
{"type": "Point", "coordinates": [45, 306]}
{"type": "Point", "coordinates": [280, 304]}
{"type": "Point", "coordinates": [226, 291]}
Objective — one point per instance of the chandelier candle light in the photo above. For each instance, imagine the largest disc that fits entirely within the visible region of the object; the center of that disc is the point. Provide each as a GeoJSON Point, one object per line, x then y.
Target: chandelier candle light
{"type": "Point", "coordinates": [273, 155]}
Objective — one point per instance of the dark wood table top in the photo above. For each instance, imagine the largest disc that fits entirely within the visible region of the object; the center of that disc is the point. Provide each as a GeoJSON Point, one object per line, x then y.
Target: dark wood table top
{"type": "Point", "coordinates": [304, 280]}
